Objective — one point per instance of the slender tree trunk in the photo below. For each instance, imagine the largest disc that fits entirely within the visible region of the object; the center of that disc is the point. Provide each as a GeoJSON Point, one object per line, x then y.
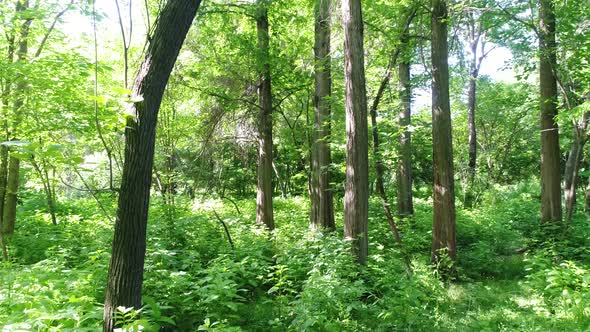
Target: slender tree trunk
{"type": "Point", "coordinates": [264, 211]}
{"type": "Point", "coordinates": [471, 104]}
{"type": "Point", "coordinates": [11, 196]}
{"type": "Point", "coordinates": [551, 209]}
{"type": "Point", "coordinates": [126, 267]}
{"type": "Point", "coordinates": [405, 205]}
{"type": "Point", "coordinates": [444, 191]}
{"type": "Point", "coordinates": [12, 183]}
{"type": "Point", "coordinates": [572, 166]}
{"type": "Point", "coordinates": [3, 181]}
{"type": "Point", "coordinates": [587, 198]}
{"type": "Point", "coordinates": [356, 196]}
{"type": "Point", "coordinates": [380, 186]}
{"type": "Point", "coordinates": [570, 177]}
{"type": "Point", "coordinates": [322, 205]}
{"type": "Point", "coordinates": [49, 194]}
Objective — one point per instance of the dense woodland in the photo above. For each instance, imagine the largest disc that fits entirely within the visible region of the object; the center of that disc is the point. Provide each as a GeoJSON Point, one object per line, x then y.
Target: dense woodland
{"type": "Point", "coordinates": [294, 165]}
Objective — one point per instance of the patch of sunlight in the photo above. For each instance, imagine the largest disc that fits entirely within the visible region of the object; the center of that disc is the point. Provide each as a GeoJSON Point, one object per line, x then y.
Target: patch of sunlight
{"type": "Point", "coordinates": [456, 292]}
{"type": "Point", "coordinates": [206, 204]}
{"type": "Point", "coordinates": [534, 302]}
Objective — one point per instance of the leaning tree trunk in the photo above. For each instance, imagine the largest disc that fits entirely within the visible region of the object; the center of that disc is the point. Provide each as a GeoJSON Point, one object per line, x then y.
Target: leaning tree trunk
{"type": "Point", "coordinates": [443, 241]}
{"type": "Point", "coordinates": [405, 206]}
{"type": "Point", "coordinates": [322, 205]}
{"type": "Point", "coordinates": [264, 211]}
{"type": "Point", "coordinates": [126, 267]}
{"type": "Point", "coordinates": [572, 166]}
{"type": "Point", "coordinates": [550, 173]}
{"type": "Point", "coordinates": [356, 196]}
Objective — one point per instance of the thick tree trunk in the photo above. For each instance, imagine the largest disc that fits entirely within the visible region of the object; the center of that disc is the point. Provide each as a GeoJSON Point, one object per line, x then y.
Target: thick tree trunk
{"type": "Point", "coordinates": [322, 205]}
{"type": "Point", "coordinates": [551, 209]}
{"type": "Point", "coordinates": [444, 191]}
{"type": "Point", "coordinates": [356, 196]}
{"type": "Point", "coordinates": [264, 211]}
{"type": "Point", "coordinates": [126, 267]}
{"type": "Point", "coordinates": [405, 205]}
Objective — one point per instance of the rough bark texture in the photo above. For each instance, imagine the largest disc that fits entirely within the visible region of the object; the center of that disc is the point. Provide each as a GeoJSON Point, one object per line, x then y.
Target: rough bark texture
{"type": "Point", "coordinates": [264, 211]}
{"type": "Point", "coordinates": [126, 267]}
{"type": "Point", "coordinates": [444, 192]}
{"type": "Point", "coordinates": [356, 196]}
{"type": "Point", "coordinates": [322, 205]}
{"type": "Point", "coordinates": [550, 173]}
{"type": "Point", "coordinates": [405, 206]}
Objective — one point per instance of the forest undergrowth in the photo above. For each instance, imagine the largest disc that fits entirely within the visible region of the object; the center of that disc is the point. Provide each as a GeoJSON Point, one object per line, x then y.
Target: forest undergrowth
{"type": "Point", "coordinates": [513, 275]}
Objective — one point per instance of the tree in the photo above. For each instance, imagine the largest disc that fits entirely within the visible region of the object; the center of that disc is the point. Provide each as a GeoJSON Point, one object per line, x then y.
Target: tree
{"type": "Point", "coordinates": [125, 276]}
{"type": "Point", "coordinates": [550, 156]}
{"type": "Point", "coordinates": [322, 205]}
{"type": "Point", "coordinates": [478, 24]}
{"type": "Point", "coordinates": [10, 166]}
{"type": "Point", "coordinates": [443, 234]}
{"type": "Point", "coordinates": [264, 212]}
{"type": "Point", "coordinates": [356, 196]}
{"type": "Point", "coordinates": [405, 205]}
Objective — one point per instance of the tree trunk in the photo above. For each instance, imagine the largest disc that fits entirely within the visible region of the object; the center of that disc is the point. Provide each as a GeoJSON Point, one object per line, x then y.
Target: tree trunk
{"type": "Point", "coordinates": [444, 192]}
{"type": "Point", "coordinates": [322, 205]}
{"type": "Point", "coordinates": [12, 183]}
{"type": "Point", "coordinates": [471, 104]}
{"type": "Point", "coordinates": [572, 166]}
{"type": "Point", "coordinates": [126, 267]}
{"type": "Point", "coordinates": [11, 196]}
{"type": "Point", "coordinates": [570, 177]}
{"type": "Point", "coordinates": [264, 211]}
{"type": "Point", "coordinates": [356, 197]}
{"type": "Point", "coordinates": [3, 182]}
{"type": "Point", "coordinates": [46, 181]}
{"type": "Point", "coordinates": [405, 206]}
{"type": "Point", "coordinates": [550, 173]}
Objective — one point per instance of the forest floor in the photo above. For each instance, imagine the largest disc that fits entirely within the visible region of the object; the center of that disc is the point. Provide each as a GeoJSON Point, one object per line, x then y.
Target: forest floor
{"type": "Point", "coordinates": [513, 276]}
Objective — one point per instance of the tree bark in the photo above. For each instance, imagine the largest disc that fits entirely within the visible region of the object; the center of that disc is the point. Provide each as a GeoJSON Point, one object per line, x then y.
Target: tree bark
{"type": "Point", "coordinates": [444, 191]}
{"type": "Point", "coordinates": [405, 205]}
{"type": "Point", "coordinates": [322, 205]}
{"type": "Point", "coordinates": [551, 210]}
{"type": "Point", "coordinates": [11, 196]}
{"type": "Point", "coordinates": [13, 172]}
{"type": "Point", "coordinates": [572, 166]}
{"type": "Point", "coordinates": [472, 130]}
{"type": "Point", "coordinates": [264, 210]}
{"type": "Point", "coordinates": [356, 197]}
{"type": "Point", "coordinates": [126, 267]}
